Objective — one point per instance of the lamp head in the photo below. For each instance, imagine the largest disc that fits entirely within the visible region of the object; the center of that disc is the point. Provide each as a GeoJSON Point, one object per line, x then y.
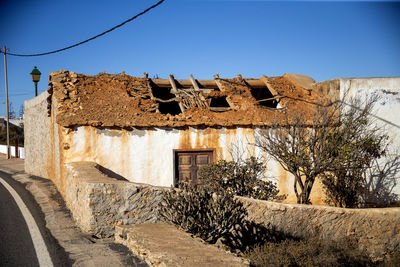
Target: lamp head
{"type": "Point", "coordinates": [35, 75]}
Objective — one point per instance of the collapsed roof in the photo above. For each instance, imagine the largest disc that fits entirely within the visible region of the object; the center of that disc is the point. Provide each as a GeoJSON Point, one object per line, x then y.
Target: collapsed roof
{"type": "Point", "coordinates": [120, 100]}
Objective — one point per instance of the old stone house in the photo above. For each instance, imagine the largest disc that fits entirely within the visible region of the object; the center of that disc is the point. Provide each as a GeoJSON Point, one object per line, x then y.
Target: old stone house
{"type": "Point", "coordinates": [110, 142]}
{"type": "Point", "coordinates": [159, 131]}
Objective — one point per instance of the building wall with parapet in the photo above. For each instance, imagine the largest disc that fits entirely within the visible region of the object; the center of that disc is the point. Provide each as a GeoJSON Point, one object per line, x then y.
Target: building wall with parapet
{"type": "Point", "coordinates": [141, 155]}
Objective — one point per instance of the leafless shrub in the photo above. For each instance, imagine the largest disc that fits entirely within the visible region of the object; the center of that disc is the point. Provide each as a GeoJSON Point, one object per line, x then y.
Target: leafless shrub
{"type": "Point", "coordinates": [339, 146]}
{"type": "Point", "coordinates": [311, 252]}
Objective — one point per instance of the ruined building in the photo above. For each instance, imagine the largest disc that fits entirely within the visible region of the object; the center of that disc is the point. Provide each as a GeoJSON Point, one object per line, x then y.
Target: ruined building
{"type": "Point", "coordinates": [158, 131]}
{"type": "Point", "coordinates": [161, 131]}
{"type": "Point", "coordinates": [112, 143]}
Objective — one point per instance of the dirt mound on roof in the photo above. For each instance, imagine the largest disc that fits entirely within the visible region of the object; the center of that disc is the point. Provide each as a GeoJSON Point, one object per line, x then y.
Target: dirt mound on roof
{"type": "Point", "coordinates": [120, 100]}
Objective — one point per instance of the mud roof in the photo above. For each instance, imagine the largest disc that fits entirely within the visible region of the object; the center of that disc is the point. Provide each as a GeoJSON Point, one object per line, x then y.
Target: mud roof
{"type": "Point", "coordinates": [120, 100]}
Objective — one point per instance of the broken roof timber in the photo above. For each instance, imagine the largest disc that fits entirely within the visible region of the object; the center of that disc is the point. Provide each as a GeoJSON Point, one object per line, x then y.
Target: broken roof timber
{"type": "Point", "coordinates": [212, 84]}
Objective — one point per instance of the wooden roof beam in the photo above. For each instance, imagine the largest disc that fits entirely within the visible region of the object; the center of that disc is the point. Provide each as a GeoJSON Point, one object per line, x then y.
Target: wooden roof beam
{"type": "Point", "coordinates": [174, 91]}
{"type": "Point", "coordinates": [264, 79]}
{"type": "Point", "coordinates": [197, 89]}
{"type": "Point", "coordinates": [209, 84]}
{"type": "Point", "coordinates": [222, 89]}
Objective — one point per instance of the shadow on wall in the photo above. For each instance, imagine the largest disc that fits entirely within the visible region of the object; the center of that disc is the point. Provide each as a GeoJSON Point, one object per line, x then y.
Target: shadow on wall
{"type": "Point", "coordinates": [110, 173]}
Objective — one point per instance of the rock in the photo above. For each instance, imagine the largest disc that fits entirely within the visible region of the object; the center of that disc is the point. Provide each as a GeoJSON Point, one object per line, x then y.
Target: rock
{"type": "Point", "coordinates": [98, 202]}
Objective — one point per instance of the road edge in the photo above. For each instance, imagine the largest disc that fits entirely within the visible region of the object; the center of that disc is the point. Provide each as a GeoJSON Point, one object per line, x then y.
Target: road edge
{"type": "Point", "coordinates": [81, 248]}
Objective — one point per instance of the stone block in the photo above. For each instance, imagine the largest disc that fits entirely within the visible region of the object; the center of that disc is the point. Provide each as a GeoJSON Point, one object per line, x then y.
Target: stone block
{"type": "Point", "coordinates": [162, 244]}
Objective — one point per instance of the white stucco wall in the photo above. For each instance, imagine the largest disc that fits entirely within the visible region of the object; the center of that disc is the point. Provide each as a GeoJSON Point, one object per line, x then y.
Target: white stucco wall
{"type": "Point", "coordinates": [3, 149]}
{"type": "Point", "coordinates": [387, 109]}
{"type": "Point", "coordinates": [146, 155]}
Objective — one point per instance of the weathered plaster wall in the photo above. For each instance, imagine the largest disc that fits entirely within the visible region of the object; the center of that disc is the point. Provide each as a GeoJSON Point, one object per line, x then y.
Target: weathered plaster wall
{"type": "Point", "coordinates": [43, 149]}
{"type": "Point", "coordinates": [98, 203]}
{"type": "Point", "coordinates": [38, 141]}
{"type": "Point", "coordinates": [146, 155]}
{"type": "Point", "coordinates": [387, 109]}
{"type": "Point", "coordinates": [376, 230]}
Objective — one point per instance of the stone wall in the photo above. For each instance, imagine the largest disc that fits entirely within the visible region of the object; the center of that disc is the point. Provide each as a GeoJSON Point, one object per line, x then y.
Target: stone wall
{"type": "Point", "coordinates": [376, 230]}
{"type": "Point", "coordinates": [38, 141]}
{"type": "Point", "coordinates": [98, 202]}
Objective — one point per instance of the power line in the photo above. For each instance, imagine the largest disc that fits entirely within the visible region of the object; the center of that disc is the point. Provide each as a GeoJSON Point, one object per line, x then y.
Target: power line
{"type": "Point", "coordinates": [90, 39]}
{"type": "Point", "coordinates": [17, 94]}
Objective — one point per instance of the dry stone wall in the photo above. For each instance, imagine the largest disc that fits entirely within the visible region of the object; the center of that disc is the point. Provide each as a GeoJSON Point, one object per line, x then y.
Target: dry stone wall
{"type": "Point", "coordinates": [375, 230]}
{"type": "Point", "coordinates": [98, 203]}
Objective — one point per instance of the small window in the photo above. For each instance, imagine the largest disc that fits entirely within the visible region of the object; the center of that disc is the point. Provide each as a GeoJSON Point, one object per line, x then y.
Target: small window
{"type": "Point", "coordinates": [263, 94]}
{"type": "Point", "coordinates": [188, 164]}
{"type": "Point", "coordinates": [163, 95]}
{"type": "Point", "coordinates": [169, 108]}
{"type": "Point", "coordinates": [219, 102]}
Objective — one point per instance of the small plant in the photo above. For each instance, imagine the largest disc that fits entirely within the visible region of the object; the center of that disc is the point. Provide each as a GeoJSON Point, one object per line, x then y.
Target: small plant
{"type": "Point", "coordinates": [312, 252]}
{"type": "Point", "coordinates": [239, 178]}
{"type": "Point", "coordinates": [393, 259]}
{"type": "Point", "coordinates": [199, 211]}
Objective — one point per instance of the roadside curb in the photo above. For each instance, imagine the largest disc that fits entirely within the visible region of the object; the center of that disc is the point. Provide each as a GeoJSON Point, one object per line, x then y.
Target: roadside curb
{"type": "Point", "coordinates": [82, 249]}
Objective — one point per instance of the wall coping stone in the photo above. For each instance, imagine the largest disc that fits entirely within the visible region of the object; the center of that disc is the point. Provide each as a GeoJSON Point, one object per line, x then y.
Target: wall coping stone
{"type": "Point", "coordinates": [283, 206]}
{"type": "Point", "coordinates": [162, 244]}
{"type": "Point", "coordinates": [36, 100]}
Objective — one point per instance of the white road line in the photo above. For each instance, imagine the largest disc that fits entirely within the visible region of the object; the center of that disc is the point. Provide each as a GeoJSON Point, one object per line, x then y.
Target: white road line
{"type": "Point", "coordinates": [40, 247]}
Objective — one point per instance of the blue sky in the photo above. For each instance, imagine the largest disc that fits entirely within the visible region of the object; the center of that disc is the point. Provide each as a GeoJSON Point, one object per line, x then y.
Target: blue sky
{"type": "Point", "coordinates": [323, 39]}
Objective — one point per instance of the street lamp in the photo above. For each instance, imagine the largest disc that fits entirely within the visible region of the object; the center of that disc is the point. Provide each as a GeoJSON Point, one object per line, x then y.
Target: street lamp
{"type": "Point", "coordinates": [35, 77]}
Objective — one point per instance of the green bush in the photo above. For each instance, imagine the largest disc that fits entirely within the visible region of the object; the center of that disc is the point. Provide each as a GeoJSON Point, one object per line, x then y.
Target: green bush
{"type": "Point", "coordinates": [199, 211]}
{"type": "Point", "coordinates": [312, 252]}
{"type": "Point", "coordinates": [239, 178]}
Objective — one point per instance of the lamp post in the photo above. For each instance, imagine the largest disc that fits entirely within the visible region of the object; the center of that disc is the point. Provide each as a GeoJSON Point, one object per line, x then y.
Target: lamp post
{"type": "Point", "coordinates": [35, 77]}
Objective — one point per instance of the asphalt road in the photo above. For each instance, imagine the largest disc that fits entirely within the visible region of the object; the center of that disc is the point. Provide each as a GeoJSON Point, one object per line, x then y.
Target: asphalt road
{"type": "Point", "coordinates": [16, 243]}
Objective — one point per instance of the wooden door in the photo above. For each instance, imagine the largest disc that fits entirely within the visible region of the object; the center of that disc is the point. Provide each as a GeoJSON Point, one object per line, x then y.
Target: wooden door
{"type": "Point", "coordinates": [188, 163]}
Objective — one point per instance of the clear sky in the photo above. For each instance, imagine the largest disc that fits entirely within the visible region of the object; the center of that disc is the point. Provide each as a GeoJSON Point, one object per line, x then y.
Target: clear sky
{"type": "Point", "coordinates": [322, 39]}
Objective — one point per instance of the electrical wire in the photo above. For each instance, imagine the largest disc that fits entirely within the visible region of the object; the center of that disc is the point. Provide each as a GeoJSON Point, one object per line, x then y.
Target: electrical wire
{"type": "Point", "coordinates": [90, 39]}
{"type": "Point", "coordinates": [16, 94]}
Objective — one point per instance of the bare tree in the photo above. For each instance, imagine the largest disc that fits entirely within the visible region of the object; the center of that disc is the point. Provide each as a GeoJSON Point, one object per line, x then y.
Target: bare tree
{"type": "Point", "coordinates": [301, 147]}
{"type": "Point", "coordinates": [21, 111]}
{"type": "Point", "coordinates": [11, 112]}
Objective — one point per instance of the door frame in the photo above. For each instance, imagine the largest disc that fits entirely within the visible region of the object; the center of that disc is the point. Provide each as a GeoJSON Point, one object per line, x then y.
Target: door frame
{"type": "Point", "coordinates": [191, 150]}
